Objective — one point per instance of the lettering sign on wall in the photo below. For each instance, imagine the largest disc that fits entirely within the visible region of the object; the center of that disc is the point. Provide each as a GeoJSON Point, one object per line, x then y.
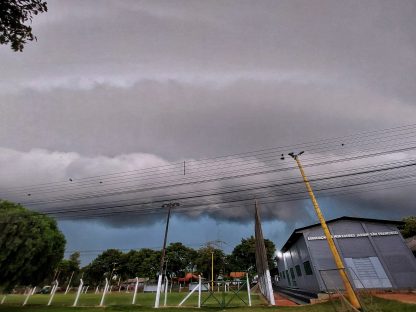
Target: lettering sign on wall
{"type": "Point", "coordinates": [310, 238]}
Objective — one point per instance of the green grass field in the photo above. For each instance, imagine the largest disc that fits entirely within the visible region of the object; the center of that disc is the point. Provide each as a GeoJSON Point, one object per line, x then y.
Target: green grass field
{"type": "Point", "coordinates": [145, 302]}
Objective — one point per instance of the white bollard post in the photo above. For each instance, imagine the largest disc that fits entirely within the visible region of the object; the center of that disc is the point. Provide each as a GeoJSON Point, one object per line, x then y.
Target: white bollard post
{"type": "Point", "coordinates": [81, 284]}
{"type": "Point", "coordinates": [166, 291]}
{"type": "Point", "coordinates": [248, 291]}
{"type": "Point", "coordinates": [29, 293]}
{"type": "Point", "coordinates": [135, 291]}
{"type": "Point", "coordinates": [159, 286]}
{"type": "Point", "coordinates": [199, 291]}
{"type": "Point", "coordinates": [104, 292]}
{"type": "Point", "coordinates": [69, 283]}
{"type": "Point", "coordinates": [53, 292]}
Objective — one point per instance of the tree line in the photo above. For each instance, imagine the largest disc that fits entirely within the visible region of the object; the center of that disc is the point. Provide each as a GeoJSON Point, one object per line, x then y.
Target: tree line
{"type": "Point", "coordinates": [113, 264]}
{"type": "Point", "coordinates": [32, 250]}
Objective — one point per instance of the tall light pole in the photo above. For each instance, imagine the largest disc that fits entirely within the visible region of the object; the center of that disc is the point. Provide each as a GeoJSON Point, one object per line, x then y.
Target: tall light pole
{"type": "Point", "coordinates": [352, 296]}
{"type": "Point", "coordinates": [162, 259]}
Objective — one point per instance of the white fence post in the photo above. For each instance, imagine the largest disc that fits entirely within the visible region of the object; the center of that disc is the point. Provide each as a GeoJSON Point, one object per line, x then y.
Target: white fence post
{"type": "Point", "coordinates": [186, 298]}
{"type": "Point", "coordinates": [81, 283]}
{"type": "Point", "coordinates": [166, 291]}
{"type": "Point", "coordinates": [53, 292]}
{"type": "Point", "coordinates": [69, 283]}
{"type": "Point", "coordinates": [135, 291]}
{"type": "Point", "coordinates": [104, 292]}
{"type": "Point", "coordinates": [30, 293]}
{"type": "Point", "coordinates": [248, 291]}
{"type": "Point", "coordinates": [199, 291]}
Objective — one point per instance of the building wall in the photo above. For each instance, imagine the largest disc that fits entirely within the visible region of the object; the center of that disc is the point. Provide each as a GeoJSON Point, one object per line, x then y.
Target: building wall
{"type": "Point", "coordinates": [373, 261]}
{"type": "Point", "coordinates": [298, 255]}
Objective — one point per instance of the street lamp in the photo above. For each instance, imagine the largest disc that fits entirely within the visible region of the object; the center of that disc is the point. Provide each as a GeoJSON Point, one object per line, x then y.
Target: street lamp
{"type": "Point", "coordinates": [337, 258]}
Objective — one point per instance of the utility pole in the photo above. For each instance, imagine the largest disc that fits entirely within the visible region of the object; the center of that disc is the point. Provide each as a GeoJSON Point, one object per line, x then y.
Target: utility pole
{"type": "Point", "coordinates": [216, 243]}
{"type": "Point", "coordinates": [212, 270]}
{"type": "Point", "coordinates": [162, 259]}
{"type": "Point", "coordinates": [352, 296]}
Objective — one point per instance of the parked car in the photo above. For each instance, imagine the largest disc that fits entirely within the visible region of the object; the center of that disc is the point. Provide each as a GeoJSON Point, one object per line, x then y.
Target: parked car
{"type": "Point", "coordinates": [44, 290]}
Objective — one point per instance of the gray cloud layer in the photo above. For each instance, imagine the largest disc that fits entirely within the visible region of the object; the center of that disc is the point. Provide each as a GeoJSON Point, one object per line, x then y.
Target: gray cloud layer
{"type": "Point", "coordinates": [115, 85]}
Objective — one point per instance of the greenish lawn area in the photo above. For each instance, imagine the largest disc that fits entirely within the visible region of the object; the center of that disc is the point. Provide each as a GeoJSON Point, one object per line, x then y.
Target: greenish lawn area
{"type": "Point", "coordinates": [143, 300]}
{"type": "Point", "coordinates": [144, 303]}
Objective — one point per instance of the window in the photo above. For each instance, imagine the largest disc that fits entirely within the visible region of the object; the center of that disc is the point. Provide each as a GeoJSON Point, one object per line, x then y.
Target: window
{"type": "Point", "coordinates": [298, 271]}
{"type": "Point", "coordinates": [292, 273]}
{"type": "Point", "coordinates": [307, 267]}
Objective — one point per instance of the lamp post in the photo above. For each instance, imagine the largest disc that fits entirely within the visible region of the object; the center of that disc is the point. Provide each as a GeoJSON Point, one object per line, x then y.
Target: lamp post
{"type": "Point", "coordinates": [337, 258]}
{"type": "Point", "coordinates": [162, 259]}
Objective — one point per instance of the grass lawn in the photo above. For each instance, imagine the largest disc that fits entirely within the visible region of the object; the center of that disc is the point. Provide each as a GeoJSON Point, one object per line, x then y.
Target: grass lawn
{"type": "Point", "coordinates": [145, 302]}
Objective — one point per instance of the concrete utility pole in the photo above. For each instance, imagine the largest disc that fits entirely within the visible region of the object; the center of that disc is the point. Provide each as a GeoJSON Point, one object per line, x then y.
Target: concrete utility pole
{"type": "Point", "coordinates": [162, 259]}
{"type": "Point", "coordinates": [352, 296]}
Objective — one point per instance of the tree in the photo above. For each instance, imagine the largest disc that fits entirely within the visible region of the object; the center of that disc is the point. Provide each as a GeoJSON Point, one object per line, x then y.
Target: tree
{"type": "Point", "coordinates": [203, 261]}
{"type": "Point", "coordinates": [14, 16]}
{"type": "Point", "coordinates": [69, 267]}
{"type": "Point", "coordinates": [142, 263]}
{"type": "Point", "coordinates": [107, 265]}
{"type": "Point", "coordinates": [31, 246]}
{"type": "Point", "coordinates": [243, 257]}
{"type": "Point", "coordinates": [180, 259]}
{"type": "Point", "coordinates": [409, 227]}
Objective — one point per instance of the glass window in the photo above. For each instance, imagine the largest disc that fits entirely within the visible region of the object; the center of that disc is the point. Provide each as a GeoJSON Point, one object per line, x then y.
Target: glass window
{"type": "Point", "coordinates": [298, 271]}
{"type": "Point", "coordinates": [307, 267]}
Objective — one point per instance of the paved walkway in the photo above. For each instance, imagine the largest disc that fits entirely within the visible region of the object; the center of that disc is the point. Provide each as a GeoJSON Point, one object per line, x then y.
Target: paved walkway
{"type": "Point", "coordinates": [405, 297]}
{"type": "Point", "coordinates": [282, 301]}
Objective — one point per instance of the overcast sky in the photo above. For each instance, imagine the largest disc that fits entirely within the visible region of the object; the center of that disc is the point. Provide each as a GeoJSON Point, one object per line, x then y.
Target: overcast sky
{"type": "Point", "coordinates": [119, 85]}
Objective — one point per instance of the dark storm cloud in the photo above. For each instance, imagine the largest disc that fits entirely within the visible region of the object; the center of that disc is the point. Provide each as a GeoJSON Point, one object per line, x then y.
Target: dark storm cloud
{"type": "Point", "coordinates": [110, 80]}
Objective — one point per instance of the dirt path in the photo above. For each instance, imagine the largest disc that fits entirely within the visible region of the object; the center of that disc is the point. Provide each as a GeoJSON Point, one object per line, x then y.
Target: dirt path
{"type": "Point", "coordinates": [406, 297]}
{"type": "Point", "coordinates": [282, 301]}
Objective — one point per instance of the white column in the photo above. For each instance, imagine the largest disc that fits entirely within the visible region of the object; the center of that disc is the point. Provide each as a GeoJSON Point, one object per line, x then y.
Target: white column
{"type": "Point", "coordinates": [199, 291]}
{"type": "Point", "coordinates": [81, 283]}
{"type": "Point", "coordinates": [135, 291]}
{"type": "Point", "coordinates": [104, 292]}
{"type": "Point", "coordinates": [248, 291]}
{"type": "Point", "coordinates": [69, 283]}
{"type": "Point", "coordinates": [53, 292]}
{"type": "Point", "coordinates": [30, 292]}
{"type": "Point", "coordinates": [166, 291]}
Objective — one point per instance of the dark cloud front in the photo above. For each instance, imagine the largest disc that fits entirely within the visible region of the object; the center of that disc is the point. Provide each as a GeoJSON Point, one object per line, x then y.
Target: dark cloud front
{"type": "Point", "coordinates": [113, 86]}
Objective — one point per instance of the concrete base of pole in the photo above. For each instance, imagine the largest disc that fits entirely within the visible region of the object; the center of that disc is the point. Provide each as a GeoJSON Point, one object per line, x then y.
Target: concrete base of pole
{"type": "Point", "coordinates": [159, 286]}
